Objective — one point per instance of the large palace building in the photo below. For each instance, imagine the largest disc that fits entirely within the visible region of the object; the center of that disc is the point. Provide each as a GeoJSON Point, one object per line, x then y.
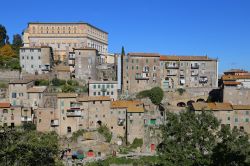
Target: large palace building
{"type": "Point", "coordinates": [63, 37]}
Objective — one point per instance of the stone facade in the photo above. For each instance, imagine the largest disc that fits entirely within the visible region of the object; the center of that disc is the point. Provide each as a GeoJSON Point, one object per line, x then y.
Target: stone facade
{"type": "Point", "coordinates": [63, 37]}
{"type": "Point", "coordinates": [14, 115]}
{"type": "Point", "coordinates": [236, 116]}
{"type": "Point", "coordinates": [85, 63]}
{"type": "Point", "coordinates": [140, 72]}
{"type": "Point", "coordinates": [188, 71]}
{"type": "Point", "coordinates": [36, 60]}
{"type": "Point", "coordinates": [103, 88]}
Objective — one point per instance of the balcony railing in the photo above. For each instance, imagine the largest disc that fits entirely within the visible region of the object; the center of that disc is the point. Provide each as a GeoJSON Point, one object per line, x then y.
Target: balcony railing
{"type": "Point", "coordinates": [194, 74]}
{"type": "Point", "coordinates": [171, 66]}
{"type": "Point", "coordinates": [141, 77]}
{"type": "Point", "coordinates": [54, 122]}
{"type": "Point", "coordinates": [74, 113]}
{"type": "Point", "coordinates": [26, 119]}
{"type": "Point", "coordinates": [194, 66]}
{"type": "Point", "coordinates": [203, 80]}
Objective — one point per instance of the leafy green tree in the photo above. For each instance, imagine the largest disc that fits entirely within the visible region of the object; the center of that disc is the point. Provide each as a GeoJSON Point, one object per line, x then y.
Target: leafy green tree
{"type": "Point", "coordinates": [28, 148]}
{"type": "Point", "coordinates": [156, 95]}
{"type": "Point", "coordinates": [3, 35]}
{"type": "Point", "coordinates": [72, 82]}
{"type": "Point", "coordinates": [68, 88]}
{"type": "Point", "coordinates": [232, 149]}
{"type": "Point", "coordinates": [188, 138]}
{"type": "Point", "coordinates": [17, 41]}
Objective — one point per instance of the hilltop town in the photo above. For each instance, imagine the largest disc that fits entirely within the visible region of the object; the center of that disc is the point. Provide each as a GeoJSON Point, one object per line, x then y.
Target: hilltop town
{"type": "Point", "coordinates": [103, 104]}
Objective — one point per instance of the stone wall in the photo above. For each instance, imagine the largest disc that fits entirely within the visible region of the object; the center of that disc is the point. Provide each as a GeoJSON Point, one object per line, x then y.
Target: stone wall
{"type": "Point", "coordinates": [7, 75]}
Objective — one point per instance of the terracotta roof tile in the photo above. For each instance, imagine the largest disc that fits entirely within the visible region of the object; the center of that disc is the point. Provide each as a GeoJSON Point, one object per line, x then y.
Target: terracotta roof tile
{"type": "Point", "coordinates": [37, 89]}
{"type": "Point", "coordinates": [231, 83]}
{"type": "Point", "coordinates": [185, 58]}
{"type": "Point", "coordinates": [212, 106]}
{"type": "Point", "coordinates": [67, 95]}
{"type": "Point", "coordinates": [93, 98]}
{"type": "Point", "coordinates": [135, 109]}
{"type": "Point", "coordinates": [234, 77]}
{"type": "Point", "coordinates": [5, 105]}
{"type": "Point", "coordinates": [143, 54]}
{"type": "Point", "coordinates": [241, 107]}
{"type": "Point", "coordinates": [124, 103]}
{"type": "Point", "coordinates": [19, 81]}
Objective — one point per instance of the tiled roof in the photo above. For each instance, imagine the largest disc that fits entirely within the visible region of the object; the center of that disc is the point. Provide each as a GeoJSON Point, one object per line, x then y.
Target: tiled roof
{"type": "Point", "coordinates": [124, 103]}
{"type": "Point", "coordinates": [231, 83]}
{"type": "Point", "coordinates": [66, 95]}
{"type": "Point", "coordinates": [19, 81]}
{"type": "Point", "coordinates": [102, 82]}
{"type": "Point", "coordinates": [143, 54]}
{"type": "Point", "coordinates": [212, 106]}
{"type": "Point", "coordinates": [185, 58]}
{"type": "Point", "coordinates": [234, 77]}
{"type": "Point", "coordinates": [93, 98]}
{"type": "Point", "coordinates": [37, 89]}
{"type": "Point", "coordinates": [85, 48]}
{"type": "Point", "coordinates": [4, 105]}
{"type": "Point", "coordinates": [135, 109]}
{"type": "Point", "coordinates": [236, 71]}
{"type": "Point", "coordinates": [62, 68]}
{"type": "Point", "coordinates": [241, 107]}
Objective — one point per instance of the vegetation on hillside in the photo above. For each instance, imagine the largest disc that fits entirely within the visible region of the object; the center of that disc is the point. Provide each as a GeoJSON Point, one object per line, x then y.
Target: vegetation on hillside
{"type": "Point", "coordinates": [155, 94]}
{"type": "Point", "coordinates": [104, 130]}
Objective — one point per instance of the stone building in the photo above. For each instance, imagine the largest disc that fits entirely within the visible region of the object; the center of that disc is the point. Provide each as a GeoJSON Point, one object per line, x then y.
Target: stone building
{"type": "Point", "coordinates": [188, 71]}
{"type": "Point", "coordinates": [141, 71]}
{"type": "Point", "coordinates": [36, 60]}
{"type": "Point", "coordinates": [103, 88]}
{"type": "Point", "coordinates": [14, 115]}
{"type": "Point", "coordinates": [236, 116]}
{"type": "Point", "coordinates": [18, 92]}
{"type": "Point", "coordinates": [85, 63]}
{"type": "Point", "coordinates": [63, 72]}
{"type": "Point", "coordinates": [63, 37]}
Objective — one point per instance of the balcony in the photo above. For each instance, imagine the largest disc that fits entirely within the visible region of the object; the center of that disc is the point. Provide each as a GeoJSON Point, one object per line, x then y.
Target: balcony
{"type": "Point", "coordinates": [172, 66]}
{"type": "Point", "coordinates": [26, 119]}
{"type": "Point", "coordinates": [54, 122]}
{"type": "Point", "coordinates": [46, 68]}
{"type": "Point", "coordinates": [141, 77]}
{"type": "Point", "coordinates": [171, 74]}
{"type": "Point", "coordinates": [194, 66]}
{"type": "Point", "coordinates": [71, 56]}
{"type": "Point", "coordinates": [71, 62]}
{"type": "Point", "coordinates": [203, 80]}
{"type": "Point", "coordinates": [74, 113]}
{"type": "Point", "coordinates": [75, 105]}
{"type": "Point", "coordinates": [194, 73]}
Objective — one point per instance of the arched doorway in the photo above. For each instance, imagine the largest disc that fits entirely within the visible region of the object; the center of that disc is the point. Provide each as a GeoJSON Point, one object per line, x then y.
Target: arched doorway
{"type": "Point", "coordinates": [200, 100]}
{"type": "Point", "coordinates": [181, 104]}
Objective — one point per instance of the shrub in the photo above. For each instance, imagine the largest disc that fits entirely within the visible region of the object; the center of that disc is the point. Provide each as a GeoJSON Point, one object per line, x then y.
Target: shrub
{"type": "Point", "coordinates": [76, 134]}
{"type": "Point", "coordinates": [72, 82]}
{"type": "Point", "coordinates": [58, 82]}
{"type": "Point", "coordinates": [104, 130]}
{"type": "Point", "coordinates": [181, 91]}
{"type": "Point", "coordinates": [42, 82]}
{"type": "Point", "coordinates": [67, 89]}
{"type": "Point", "coordinates": [155, 94]}
{"type": "Point", "coordinates": [136, 143]}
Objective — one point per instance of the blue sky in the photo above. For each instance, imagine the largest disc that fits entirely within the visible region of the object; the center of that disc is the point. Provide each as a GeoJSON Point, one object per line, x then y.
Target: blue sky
{"type": "Point", "coordinates": [217, 28]}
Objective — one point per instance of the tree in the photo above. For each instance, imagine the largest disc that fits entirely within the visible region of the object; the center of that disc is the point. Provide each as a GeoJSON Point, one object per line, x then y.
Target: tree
{"type": "Point", "coordinates": [7, 51]}
{"type": "Point", "coordinates": [67, 89]}
{"type": "Point", "coordinates": [17, 41]}
{"type": "Point", "coordinates": [3, 35]}
{"type": "Point", "coordinates": [155, 94]}
{"type": "Point", "coordinates": [188, 138]}
{"type": "Point", "coordinates": [123, 51]}
{"type": "Point", "coordinates": [233, 148]}
{"type": "Point", "coordinates": [7, 40]}
{"type": "Point", "coordinates": [28, 148]}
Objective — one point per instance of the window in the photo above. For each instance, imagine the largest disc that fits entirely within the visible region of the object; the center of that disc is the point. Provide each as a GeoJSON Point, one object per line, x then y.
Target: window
{"type": "Point", "coordinates": [5, 111]}
{"type": "Point", "coordinates": [112, 93]}
{"type": "Point", "coordinates": [137, 60]}
{"type": "Point", "coordinates": [246, 120]}
{"type": "Point", "coordinates": [247, 112]}
{"type": "Point", "coordinates": [99, 86]}
{"type": "Point", "coordinates": [69, 129]}
{"type": "Point", "coordinates": [228, 118]}
{"type": "Point", "coordinates": [22, 57]}
{"type": "Point", "coordinates": [93, 102]}
{"type": "Point", "coordinates": [39, 57]}
{"type": "Point", "coordinates": [99, 93]}
{"type": "Point", "coordinates": [108, 86]}
{"type": "Point", "coordinates": [94, 93]}
{"type": "Point", "coordinates": [32, 66]}
{"type": "Point", "coordinates": [27, 57]}
{"type": "Point", "coordinates": [31, 57]}
{"type": "Point", "coordinates": [40, 120]}
{"type": "Point", "coordinates": [107, 93]}
{"type": "Point", "coordinates": [236, 120]}
{"type": "Point", "coordinates": [13, 95]}
{"type": "Point", "coordinates": [39, 66]}
{"type": "Point", "coordinates": [137, 67]}
{"type": "Point", "coordinates": [146, 60]}
{"type": "Point", "coordinates": [112, 86]}
{"type": "Point", "coordinates": [94, 86]}
{"type": "Point", "coordinates": [20, 94]}
{"type": "Point", "coordinates": [132, 60]}
{"type": "Point", "coordinates": [62, 103]}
